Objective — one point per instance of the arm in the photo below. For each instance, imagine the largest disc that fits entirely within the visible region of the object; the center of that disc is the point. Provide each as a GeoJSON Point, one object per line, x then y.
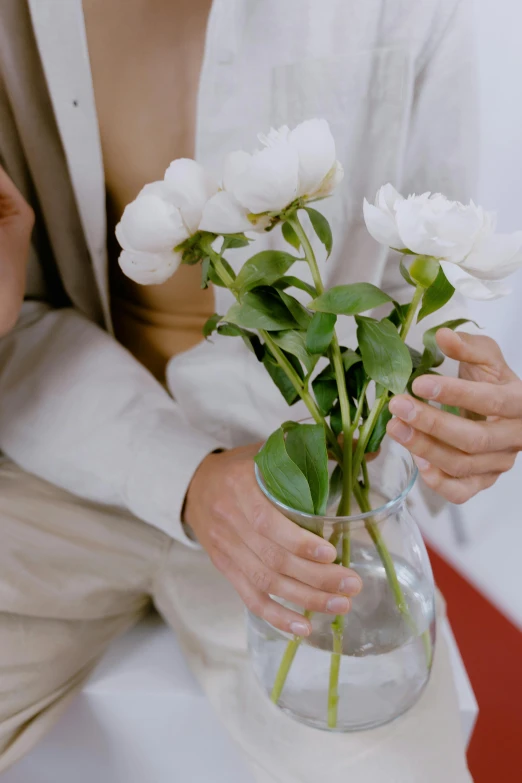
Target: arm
{"type": "Point", "coordinates": [16, 223]}
{"type": "Point", "coordinates": [79, 411]}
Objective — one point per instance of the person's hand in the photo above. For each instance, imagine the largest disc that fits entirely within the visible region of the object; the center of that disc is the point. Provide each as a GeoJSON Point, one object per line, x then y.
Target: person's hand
{"type": "Point", "coordinates": [16, 224]}
{"type": "Point", "coordinates": [457, 456]}
{"type": "Point", "coordinates": [260, 551]}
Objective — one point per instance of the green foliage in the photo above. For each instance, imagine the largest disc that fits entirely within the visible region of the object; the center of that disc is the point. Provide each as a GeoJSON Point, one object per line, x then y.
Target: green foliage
{"type": "Point", "coordinates": [325, 389]}
{"type": "Point", "coordinates": [205, 269]}
{"type": "Point", "coordinates": [213, 276]}
{"type": "Point", "coordinates": [263, 269]}
{"type": "Point", "coordinates": [295, 343]}
{"type": "Point", "coordinates": [350, 299]}
{"type": "Point", "coordinates": [232, 241]}
{"type": "Point", "coordinates": [320, 332]}
{"type": "Point", "coordinates": [298, 311]}
{"type": "Point", "coordinates": [405, 273]}
{"type": "Point", "coordinates": [436, 296]}
{"type": "Point", "coordinates": [433, 356]}
{"type": "Point", "coordinates": [283, 479]}
{"type": "Point", "coordinates": [263, 308]}
{"type": "Point", "coordinates": [210, 325]}
{"type": "Point", "coordinates": [251, 340]}
{"type": "Point", "coordinates": [451, 409]}
{"type": "Point", "coordinates": [398, 314]}
{"type": "Point", "coordinates": [288, 281]}
{"type": "Point", "coordinates": [386, 359]}
{"type": "Point", "coordinates": [280, 378]}
{"type": "Point", "coordinates": [306, 446]}
{"type": "Point", "coordinates": [379, 430]}
{"type": "Point", "coordinates": [290, 236]}
{"type": "Point", "coordinates": [321, 227]}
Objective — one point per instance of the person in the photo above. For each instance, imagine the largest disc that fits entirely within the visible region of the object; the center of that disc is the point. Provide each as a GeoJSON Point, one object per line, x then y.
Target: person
{"type": "Point", "coordinates": [16, 225]}
{"type": "Point", "coordinates": [109, 476]}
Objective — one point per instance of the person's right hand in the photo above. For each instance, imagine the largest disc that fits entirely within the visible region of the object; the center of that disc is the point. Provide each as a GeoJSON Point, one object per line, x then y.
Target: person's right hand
{"type": "Point", "coordinates": [16, 224]}
{"type": "Point", "coordinates": [261, 552]}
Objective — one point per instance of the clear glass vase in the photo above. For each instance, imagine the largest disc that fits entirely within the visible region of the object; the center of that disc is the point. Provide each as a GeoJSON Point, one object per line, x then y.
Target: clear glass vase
{"type": "Point", "coordinates": [374, 667]}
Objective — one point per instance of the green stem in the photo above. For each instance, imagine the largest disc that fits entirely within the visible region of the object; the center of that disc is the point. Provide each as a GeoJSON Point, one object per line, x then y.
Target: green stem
{"type": "Point", "coordinates": [346, 497]}
{"type": "Point", "coordinates": [286, 663]}
{"type": "Point", "coordinates": [412, 309]}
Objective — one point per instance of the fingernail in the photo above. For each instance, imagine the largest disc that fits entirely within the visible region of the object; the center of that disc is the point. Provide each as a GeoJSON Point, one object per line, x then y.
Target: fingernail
{"type": "Point", "coordinates": [400, 431]}
{"type": "Point", "coordinates": [324, 552]}
{"type": "Point", "coordinates": [426, 387]}
{"type": "Point", "coordinates": [403, 408]}
{"type": "Point", "coordinates": [421, 463]}
{"type": "Point", "coordinates": [350, 585]}
{"type": "Point", "coordinates": [299, 629]}
{"type": "Point", "coordinates": [338, 605]}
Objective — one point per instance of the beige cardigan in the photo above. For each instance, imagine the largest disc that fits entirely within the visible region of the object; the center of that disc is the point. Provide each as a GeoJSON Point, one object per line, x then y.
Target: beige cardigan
{"type": "Point", "coordinates": [396, 82]}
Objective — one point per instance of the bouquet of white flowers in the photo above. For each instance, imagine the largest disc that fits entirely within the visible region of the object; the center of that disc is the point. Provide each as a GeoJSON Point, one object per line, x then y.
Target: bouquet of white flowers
{"type": "Point", "coordinates": [190, 218]}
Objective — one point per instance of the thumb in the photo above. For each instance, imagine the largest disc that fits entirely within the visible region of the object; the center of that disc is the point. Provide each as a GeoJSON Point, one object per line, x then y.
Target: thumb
{"type": "Point", "coordinates": [482, 352]}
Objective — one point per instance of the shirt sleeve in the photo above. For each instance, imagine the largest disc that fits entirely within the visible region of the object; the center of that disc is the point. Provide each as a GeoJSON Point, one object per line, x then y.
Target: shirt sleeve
{"type": "Point", "coordinates": [80, 412]}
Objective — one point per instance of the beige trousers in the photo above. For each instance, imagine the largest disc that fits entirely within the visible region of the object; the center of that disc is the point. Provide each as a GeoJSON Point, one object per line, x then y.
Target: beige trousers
{"type": "Point", "coordinates": [74, 575]}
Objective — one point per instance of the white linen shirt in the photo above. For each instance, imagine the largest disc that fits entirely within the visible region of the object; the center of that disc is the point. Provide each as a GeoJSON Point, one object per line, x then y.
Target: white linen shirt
{"type": "Point", "coordinates": [395, 80]}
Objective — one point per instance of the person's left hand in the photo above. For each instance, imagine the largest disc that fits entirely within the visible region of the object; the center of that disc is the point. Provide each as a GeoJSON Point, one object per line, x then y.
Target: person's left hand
{"type": "Point", "coordinates": [457, 456]}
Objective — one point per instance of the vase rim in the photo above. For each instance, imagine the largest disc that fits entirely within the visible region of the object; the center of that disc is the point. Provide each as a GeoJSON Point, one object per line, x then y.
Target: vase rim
{"type": "Point", "coordinates": [385, 509]}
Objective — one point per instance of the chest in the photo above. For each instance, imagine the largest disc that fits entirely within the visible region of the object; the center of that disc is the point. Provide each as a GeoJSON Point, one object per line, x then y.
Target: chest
{"type": "Point", "coordinates": [146, 58]}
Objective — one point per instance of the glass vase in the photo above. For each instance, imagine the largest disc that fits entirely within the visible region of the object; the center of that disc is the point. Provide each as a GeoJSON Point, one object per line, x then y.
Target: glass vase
{"type": "Point", "coordinates": [373, 665]}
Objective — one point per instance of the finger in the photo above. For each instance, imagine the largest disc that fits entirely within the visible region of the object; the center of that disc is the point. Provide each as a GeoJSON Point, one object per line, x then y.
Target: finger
{"type": "Point", "coordinates": [473, 437]}
{"type": "Point", "coordinates": [456, 490]}
{"type": "Point", "coordinates": [265, 569]}
{"type": "Point", "coordinates": [331, 578]}
{"type": "Point", "coordinates": [487, 399]}
{"type": "Point", "coordinates": [452, 461]}
{"type": "Point", "coordinates": [271, 524]}
{"type": "Point", "coordinates": [263, 606]}
{"type": "Point", "coordinates": [472, 349]}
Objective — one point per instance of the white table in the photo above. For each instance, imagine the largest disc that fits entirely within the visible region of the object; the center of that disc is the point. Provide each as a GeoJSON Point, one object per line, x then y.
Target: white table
{"type": "Point", "coordinates": [142, 718]}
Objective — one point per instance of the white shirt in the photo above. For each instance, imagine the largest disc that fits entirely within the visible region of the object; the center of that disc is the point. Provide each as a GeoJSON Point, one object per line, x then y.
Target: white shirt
{"type": "Point", "coordinates": [395, 79]}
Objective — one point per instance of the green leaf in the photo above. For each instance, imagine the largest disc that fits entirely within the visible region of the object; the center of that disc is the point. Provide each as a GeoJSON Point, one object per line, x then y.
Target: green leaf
{"type": "Point", "coordinates": [385, 358]}
{"type": "Point", "coordinates": [205, 269]}
{"type": "Point", "coordinates": [416, 357]}
{"type": "Point", "coordinates": [325, 389]}
{"type": "Point", "coordinates": [436, 296]}
{"type": "Point", "coordinates": [350, 299]}
{"type": "Point", "coordinates": [251, 340]}
{"type": "Point", "coordinates": [280, 378]}
{"type": "Point", "coordinates": [320, 332]}
{"type": "Point", "coordinates": [306, 446]}
{"type": "Point", "coordinates": [295, 343]}
{"type": "Point", "coordinates": [321, 227]}
{"type": "Point", "coordinates": [336, 421]}
{"type": "Point", "coordinates": [262, 309]}
{"type": "Point", "coordinates": [433, 356]}
{"type": "Point", "coordinates": [214, 277]}
{"type": "Point", "coordinates": [294, 282]}
{"type": "Point", "coordinates": [406, 275]}
{"type": "Point", "coordinates": [298, 311]}
{"type": "Point", "coordinates": [379, 431]}
{"type": "Point", "coordinates": [290, 236]}
{"type": "Point", "coordinates": [263, 269]}
{"type": "Point", "coordinates": [350, 358]}
{"type": "Point", "coordinates": [398, 314]}
{"type": "Point", "coordinates": [336, 485]}
{"type": "Point", "coordinates": [231, 241]}
{"type": "Point", "coordinates": [283, 479]}
{"type": "Point", "coordinates": [210, 325]}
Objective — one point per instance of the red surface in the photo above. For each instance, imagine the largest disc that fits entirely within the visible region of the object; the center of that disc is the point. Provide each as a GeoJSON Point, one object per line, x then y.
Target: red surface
{"type": "Point", "coordinates": [491, 647]}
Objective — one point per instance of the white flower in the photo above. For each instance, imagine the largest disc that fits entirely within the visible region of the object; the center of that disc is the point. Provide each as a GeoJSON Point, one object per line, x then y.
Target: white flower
{"type": "Point", "coordinates": [162, 216]}
{"type": "Point", "coordinates": [460, 236]}
{"type": "Point", "coordinates": [298, 163]}
{"type": "Point", "coordinates": [149, 268]}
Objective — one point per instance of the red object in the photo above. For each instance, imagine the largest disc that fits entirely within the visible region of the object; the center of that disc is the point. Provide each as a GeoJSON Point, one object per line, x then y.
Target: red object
{"type": "Point", "coordinates": [491, 647]}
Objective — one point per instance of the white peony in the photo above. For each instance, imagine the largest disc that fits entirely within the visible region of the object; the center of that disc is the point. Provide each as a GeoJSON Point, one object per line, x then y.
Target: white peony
{"type": "Point", "coordinates": [298, 163]}
{"type": "Point", "coordinates": [462, 237]}
{"type": "Point", "coordinates": [163, 215]}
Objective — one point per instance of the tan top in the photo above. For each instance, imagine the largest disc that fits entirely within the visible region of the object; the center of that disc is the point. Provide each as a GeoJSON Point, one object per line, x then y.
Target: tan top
{"type": "Point", "coordinates": [146, 75]}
